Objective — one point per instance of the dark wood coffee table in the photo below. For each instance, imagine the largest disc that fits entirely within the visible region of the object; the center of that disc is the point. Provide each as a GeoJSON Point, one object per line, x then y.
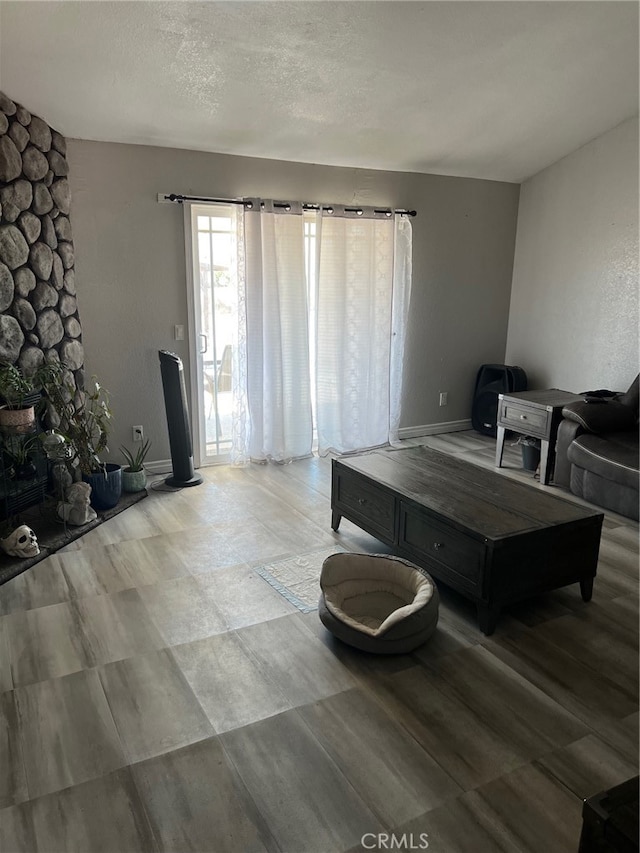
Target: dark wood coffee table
{"type": "Point", "coordinates": [494, 540]}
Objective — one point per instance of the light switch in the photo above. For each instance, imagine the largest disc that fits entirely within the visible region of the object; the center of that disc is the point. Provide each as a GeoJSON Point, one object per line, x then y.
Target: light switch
{"type": "Point", "coordinates": [178, 333]}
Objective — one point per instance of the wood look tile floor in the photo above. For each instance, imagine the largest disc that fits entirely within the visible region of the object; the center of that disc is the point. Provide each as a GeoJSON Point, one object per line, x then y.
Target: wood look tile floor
{"type": "Point", "coordinates": [156, 694]}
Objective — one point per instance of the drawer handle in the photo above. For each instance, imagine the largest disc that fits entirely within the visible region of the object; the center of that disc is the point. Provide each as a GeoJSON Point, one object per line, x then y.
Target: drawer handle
{"type": "Point", "coordinates": [523, 417]}
{"type": "Point", "coordinates": [362, 501]}
{"type": "Point", "coordinates": [438, 545]}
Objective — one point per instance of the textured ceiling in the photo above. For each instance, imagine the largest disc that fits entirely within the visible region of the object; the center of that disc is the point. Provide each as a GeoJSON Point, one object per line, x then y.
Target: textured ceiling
{"type": "Point", "coordinates": [493, 90]}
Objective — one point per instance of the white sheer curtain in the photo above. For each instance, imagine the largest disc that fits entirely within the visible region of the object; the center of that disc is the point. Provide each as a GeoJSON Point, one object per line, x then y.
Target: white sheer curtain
{"type": "Point", "coordinates": [363, 288]}
{"type": "Point", "coordinates": [240, 425]}
{"type": "Point", "coordinates": [276, 373]}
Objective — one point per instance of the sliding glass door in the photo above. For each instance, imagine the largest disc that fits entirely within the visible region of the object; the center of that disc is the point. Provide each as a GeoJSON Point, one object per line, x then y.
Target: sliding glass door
{"type": "Point", "coordinates": [350, 312]}
{"type": "Point", "coordinates": [212, 328]}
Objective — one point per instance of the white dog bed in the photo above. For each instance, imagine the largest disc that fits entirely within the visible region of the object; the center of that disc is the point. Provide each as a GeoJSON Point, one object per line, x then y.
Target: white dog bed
{"type": "Point", "coordinates": [377, 602]}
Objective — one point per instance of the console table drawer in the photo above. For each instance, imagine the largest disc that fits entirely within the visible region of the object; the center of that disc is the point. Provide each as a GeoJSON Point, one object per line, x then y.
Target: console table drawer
{"type": "Point", "coordinates": [524, 419]}
{"type": "Point", "coordinates": [367, 500]}
{"type": "Point", "coordinates": [436, 541]}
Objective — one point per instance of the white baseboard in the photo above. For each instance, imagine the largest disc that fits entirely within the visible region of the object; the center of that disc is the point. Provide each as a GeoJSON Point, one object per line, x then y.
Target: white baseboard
{"type": "Point", "coordinates": [434, 429]}
{"type": "Point", "coordinates": [160, 466]}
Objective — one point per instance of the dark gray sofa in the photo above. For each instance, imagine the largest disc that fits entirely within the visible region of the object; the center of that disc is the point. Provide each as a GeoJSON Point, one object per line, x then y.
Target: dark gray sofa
{"type": "Point", "coordinates": [597, 452]}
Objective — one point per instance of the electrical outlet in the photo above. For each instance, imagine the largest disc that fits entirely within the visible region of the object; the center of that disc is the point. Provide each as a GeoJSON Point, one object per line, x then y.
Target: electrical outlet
{"type": "Point", "coordinates": [138, 432]}
{"type": "Point", "coordinates": [443, 398]}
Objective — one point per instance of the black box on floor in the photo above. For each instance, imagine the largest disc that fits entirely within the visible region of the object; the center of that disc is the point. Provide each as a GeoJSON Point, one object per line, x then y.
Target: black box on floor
{"type": "Point", "coordinates": [610, 820]}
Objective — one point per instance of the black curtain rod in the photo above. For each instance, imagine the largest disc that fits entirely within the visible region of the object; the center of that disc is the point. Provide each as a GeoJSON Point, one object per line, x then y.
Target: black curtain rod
{"type": "Point", "coordinates": [327, 208]}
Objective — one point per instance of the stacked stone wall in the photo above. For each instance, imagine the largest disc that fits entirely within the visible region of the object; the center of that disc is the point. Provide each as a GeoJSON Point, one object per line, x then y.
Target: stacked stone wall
{"type": "Point", "coordinates": [38, 309]}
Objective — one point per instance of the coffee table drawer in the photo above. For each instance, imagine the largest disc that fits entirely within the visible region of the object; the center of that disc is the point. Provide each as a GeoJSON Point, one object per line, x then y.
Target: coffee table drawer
{"type": "Point", "coordinates": [437, 542]}
{"type": "Point", "coordinates": [361, 497]}
{"type": "Point", "coordinates": [524, 419]}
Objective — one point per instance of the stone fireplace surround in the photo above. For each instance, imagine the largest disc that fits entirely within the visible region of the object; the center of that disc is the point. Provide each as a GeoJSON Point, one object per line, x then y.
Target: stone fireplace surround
{"type": "Point", "coordinates": [38, 308]}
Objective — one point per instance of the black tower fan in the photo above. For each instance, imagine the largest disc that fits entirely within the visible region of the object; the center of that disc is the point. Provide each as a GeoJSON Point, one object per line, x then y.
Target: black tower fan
{"type": "Point", "coordinates": [175, 402]}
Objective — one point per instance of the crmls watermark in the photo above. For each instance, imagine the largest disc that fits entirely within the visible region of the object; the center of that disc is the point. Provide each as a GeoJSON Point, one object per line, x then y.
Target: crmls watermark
{"type": "Point", "coordinates": [391, 841]}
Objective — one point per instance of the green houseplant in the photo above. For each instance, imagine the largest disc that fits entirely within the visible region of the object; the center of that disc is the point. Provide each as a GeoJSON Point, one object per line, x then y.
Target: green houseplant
{"type": "Point", "coordinates": [19, 395]}
{"type": "Point", "coordinates": [19, 449]}
{"type": "Point", "coordinates": [84, 417]}
{"type": "Point", "coordinates": [134, 478]}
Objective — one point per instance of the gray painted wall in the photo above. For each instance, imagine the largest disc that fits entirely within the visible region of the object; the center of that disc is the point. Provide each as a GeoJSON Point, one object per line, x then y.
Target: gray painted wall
{"type": "Point", "coordinates": [131, 269]}
{"type": "Point", "coordinates": [574, 307]}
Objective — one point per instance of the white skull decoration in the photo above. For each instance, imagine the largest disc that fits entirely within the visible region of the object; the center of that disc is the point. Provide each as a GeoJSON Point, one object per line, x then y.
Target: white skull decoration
{"type": "Point", "coordinates": [21, 543]}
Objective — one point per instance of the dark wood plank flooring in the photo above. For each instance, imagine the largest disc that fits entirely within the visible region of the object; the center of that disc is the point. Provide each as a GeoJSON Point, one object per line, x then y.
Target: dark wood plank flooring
{"type": "Point", "coordinates": [157, 695]}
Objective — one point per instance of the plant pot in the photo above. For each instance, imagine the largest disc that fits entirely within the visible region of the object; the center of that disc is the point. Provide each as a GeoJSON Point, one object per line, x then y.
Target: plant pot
{"type": "Point", "coordinates": [106, 488]}
{"type": "Point", "coordinates": [20, 420]}
{"type": "Point", "coordinates": [25, 470]}
{"type": "Point", "coordinates": [133, 481]}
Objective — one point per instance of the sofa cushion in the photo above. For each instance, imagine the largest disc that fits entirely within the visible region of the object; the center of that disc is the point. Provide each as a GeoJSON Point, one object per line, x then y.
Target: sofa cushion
{"type": "Point", "coordinates": [605, 493]}
{"type": "Point", "coordinates": [631, 397]}
{"type": "Point", "coordinates": [601, 417]}
{"type": "Point", "coordinates": [614, 457]}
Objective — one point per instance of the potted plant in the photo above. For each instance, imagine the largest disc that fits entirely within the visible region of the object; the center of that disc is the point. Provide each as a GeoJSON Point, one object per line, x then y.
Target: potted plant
{"type": "Point", "coordinates": [84, 419]}
{"type": "Point", "coordinates": [134, 477]}
{"type": "Point", "coordinates": [19, 396]}
{"type": "Point", "coordinates": [19, 449]}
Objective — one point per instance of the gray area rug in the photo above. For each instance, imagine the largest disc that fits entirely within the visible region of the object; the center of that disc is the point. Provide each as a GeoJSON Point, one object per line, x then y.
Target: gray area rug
{"type": "Point", "coordinates": [53, 534]}
{"type": "Point", "coordinates": [298, 578]}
